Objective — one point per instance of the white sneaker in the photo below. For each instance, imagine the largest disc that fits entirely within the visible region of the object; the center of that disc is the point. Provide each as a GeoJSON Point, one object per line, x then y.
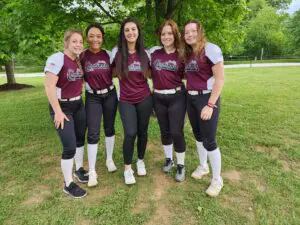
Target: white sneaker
{"type": "Point", "coordinates": [128, 175]}
{"type": "Point", "coordinates": [111, 167]}
{"type": "Point", "coordinates": [215, 187]}
{"type": "Point", "coordinates": [200, 172]}
{"type": "Point", "coordinates": [92, 179]}
{"type": "Point", "coordinates": [141, 169]}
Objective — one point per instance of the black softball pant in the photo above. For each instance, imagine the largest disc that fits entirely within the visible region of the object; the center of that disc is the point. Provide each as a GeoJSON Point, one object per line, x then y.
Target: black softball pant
{"type": "Point", "coordinates": [135, 119]}
{"type": "Point", "coordinates": [170, 112]}
{"type": "Point", "coordinates": [73, 134]}
{"type": "Point", "coordinates": [204, 130]}
{"type": "Point", "coordinates": [95, 106]}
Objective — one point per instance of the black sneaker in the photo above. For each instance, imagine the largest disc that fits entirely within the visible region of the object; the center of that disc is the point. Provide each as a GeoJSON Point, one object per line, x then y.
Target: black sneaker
{"type": "Point", "coordinates": [180, 174]}
{"type": "Point", "coordinates": [168, 165]}
{"type": "Point", "coordinates": [81, 175]}
{"type": "Point", "coordinates": [74, 191]}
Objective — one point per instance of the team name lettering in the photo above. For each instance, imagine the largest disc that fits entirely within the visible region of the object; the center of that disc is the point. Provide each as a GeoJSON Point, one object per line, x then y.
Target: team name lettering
{"type": "Point", "coordinates": [74, 75]}
{"type": "Point", "coordinates": [100, 65]}
{"type": "Point", "coordinates": [192, 66]}
{"type": "Point", "coordinates": [170, 65]}
{"type": "Point", "coordinates": [135, 66]}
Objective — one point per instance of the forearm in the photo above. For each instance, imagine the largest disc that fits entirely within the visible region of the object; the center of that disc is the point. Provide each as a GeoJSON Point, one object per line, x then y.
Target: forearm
{"type": "Point", "coordinates": [218, 71]}
{"type": "Point", "coordinates": [51, 94]}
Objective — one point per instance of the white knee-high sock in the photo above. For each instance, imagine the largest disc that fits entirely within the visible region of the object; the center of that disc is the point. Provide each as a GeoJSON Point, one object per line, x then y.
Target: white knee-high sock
{"type": "Point", "coordinates": [92, 156]}
{"type": "Point", "coordinates": [67, 169]}
{"type": "Point", "coordinates": [180, 158]}
{"type": "Point", "coordinates": [109, 144]}
{"type": "Point", "coordinates": [215, 161]}
{"type": "Point", "coordinates": [202, 154]}
{"type": "Point", "coordinates": [168, 150]}
{"type": "Point", "coordinates": [79, 157]}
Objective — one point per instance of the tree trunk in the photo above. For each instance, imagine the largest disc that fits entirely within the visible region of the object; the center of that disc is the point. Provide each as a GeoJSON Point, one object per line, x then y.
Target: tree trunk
{"type": "Point", "coordinates": [10, 75]}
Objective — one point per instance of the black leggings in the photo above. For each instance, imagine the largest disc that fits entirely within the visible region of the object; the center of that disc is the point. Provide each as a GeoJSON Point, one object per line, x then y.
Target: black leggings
{"type": "Point", "coordinates": [135, 119]}
{"type": "Point", "coordinates": [204, 130]}
{"type": "Point", "coordinates": [170, 111]}
{"type": "Point", "coordinates": [73, 134]}
{"type": "Point", "coordinates": [96, 105]}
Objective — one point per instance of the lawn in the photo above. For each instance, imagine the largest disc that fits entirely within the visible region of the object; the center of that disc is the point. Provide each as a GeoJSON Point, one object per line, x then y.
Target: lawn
{"type": "Point", "coordinates": [258, 136]}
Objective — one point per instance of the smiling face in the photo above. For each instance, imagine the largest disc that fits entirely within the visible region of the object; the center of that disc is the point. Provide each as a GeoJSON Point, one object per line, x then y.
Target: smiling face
{"type": "Point", "coordinates": [131, 32]}
{"type": "Point", "coordinates": [191, 34]}
{"type": "Point", "coordinates": [167, 37]}
{"type": "Point", "coordinates": [74, 45]}
{"type": "Point", "coordinates": [95, 39]}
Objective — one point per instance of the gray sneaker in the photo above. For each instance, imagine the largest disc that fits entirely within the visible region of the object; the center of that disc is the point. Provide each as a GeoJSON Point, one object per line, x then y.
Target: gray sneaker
{"type": "Point", "coordinates": [180, 174]}
{"type": "Point", "coordinates": [168, 165]}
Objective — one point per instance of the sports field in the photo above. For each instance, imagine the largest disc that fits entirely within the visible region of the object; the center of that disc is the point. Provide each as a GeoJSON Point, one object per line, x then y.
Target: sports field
{"type": "Point", "coordinates": [259, 137]}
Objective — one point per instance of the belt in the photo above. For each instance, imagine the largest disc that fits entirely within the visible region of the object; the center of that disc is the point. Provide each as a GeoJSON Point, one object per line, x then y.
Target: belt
{"type": "Point", "coordinates": [167, 91]}
{"type": "Point", "coordinates": [70, 99]}
{"type": "Point", "coordinates": [201, 92]}
{"type": "Point", "coordinates": [102, 91]}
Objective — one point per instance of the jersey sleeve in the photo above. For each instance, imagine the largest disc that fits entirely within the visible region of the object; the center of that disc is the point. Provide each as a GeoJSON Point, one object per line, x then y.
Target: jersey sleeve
{"type": "Point", "coordinates": [113, 54]}
{"type": "Point", "coordinates": [214, 53]}
{"type": "Point", "coordinates": [54, 63]}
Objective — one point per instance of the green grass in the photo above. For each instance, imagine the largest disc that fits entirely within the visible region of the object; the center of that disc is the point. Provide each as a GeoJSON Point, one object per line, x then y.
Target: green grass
{"type": "Point", "coordinates": [258, 136]}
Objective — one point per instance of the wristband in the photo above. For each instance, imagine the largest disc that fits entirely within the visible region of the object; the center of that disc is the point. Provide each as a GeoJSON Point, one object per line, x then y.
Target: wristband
{"type": "Point", "coordinates": [211, 105]}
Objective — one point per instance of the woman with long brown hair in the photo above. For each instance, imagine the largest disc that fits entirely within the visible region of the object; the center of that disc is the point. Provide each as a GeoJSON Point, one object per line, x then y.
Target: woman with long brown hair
{"type": "Point", "coordinates": [169, 95]}
{"type": "Point", "coordinates": [63, 85]}
{"type": "Point", "coordinates": [205, 79]}
{"type": "Point", "coordinates": [131, 64]}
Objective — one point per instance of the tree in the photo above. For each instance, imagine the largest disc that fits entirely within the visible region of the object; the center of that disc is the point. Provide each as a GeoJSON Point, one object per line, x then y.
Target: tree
{"type": "Point", "coordinates": [293, 28]}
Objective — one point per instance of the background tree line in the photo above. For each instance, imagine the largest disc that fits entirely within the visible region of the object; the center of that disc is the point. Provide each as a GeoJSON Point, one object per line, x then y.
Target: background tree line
{"type": "Point", "coordinates": [31, 30]}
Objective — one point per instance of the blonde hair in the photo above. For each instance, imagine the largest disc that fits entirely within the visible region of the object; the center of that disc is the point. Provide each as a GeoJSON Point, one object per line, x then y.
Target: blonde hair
{"type": "Point", "coordinates": [187, 49]}
{"type": "Point", "coordinates": [69, 33]}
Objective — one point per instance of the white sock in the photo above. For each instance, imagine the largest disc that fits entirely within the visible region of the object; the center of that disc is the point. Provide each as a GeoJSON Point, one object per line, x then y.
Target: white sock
{"type": "Point", "coordinates": [67, 169]}
{"type": "Point", "coordinates": [92, 156]}
{"type": "Point", "coordinates": [215, 162]}
{"type": "Point", "coordinates": [168, 149]}
{"type": "Point", "coordinates": [202, 154]}
{"type": "Point", "coordinates": [109, 144]}
{"type": "Point", "coordinates": [79, 157]}
{"type": "Point", "coordinates": [180, 158]}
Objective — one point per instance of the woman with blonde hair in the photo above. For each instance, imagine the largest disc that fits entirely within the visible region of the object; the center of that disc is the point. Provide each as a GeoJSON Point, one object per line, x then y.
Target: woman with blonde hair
{"type": "Point", "coordinates": [205, 79]}
{"type": "Point", "coordinates": [63, 85]}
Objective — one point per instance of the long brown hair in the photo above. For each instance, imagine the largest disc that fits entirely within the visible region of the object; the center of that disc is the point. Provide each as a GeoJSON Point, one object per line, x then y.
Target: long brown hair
{"type": "Point", "coordinates": [175, 31]}
{"type": "Point", "coordinates": [122, 54]}
{"type": "Point", "coordinates": [187, 49]}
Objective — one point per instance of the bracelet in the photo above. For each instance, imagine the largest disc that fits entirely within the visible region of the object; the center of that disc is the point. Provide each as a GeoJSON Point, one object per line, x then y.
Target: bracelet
{"type": "Point", "coordinates": [211, 105]}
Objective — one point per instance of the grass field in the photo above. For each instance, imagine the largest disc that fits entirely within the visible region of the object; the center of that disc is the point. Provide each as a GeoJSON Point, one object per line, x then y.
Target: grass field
{"type": "Point", "coordinates": [258, 136]}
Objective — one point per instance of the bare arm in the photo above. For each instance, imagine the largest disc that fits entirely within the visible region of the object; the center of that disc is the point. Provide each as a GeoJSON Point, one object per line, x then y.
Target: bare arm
{"type": "Point", "coordinates": [50, 89]}
{"type": "Point", "coordinates": [218, 71]}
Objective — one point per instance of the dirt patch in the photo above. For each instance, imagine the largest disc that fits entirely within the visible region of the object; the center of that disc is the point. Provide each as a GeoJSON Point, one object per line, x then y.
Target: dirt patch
{"type": "Point", "coordinates": [39, 195]}
{"type": "Point", "coordinates": [8, 87]}
{"type": "Point", "coordinates": [83, 222]}
{"type": "Point", "coordinates": [240, 201]}
{"type": "Point", "coordinates": [232, 175]}
{"type": "Point", "coordinates": [285, 165]}
{"type": "Point", "coordinates": [265, 149]}
{"type": "Point", "coordinates": [96, 194]}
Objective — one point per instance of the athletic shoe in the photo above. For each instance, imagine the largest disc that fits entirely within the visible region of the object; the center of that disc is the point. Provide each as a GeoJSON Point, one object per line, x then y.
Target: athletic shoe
{"type": "Point", "coordinates": [74, 191]}
{"type": "Point", "coordinates": [200, 172]}
{"type": "Point", "coordinates": [128, 175]}
{"type": "Point", "coordinates": [215, 187]}
{"type": "Point", "coordinates": [111, 167]}
{"type": "Point", "coordinates": [141, 169]}
{"type": "Point", "coordinates": [180, 174]}
{"type": "Point", "coordinates": [81, 175]}
{"type": "Point", "coordinates": [168, 165]}
{"type": "Point", "coordinates": [92, 179]}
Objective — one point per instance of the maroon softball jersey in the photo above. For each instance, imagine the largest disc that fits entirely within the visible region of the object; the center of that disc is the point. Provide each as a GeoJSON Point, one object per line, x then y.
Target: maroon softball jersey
{"type": "Point", "coordinates": [97, 70]}
{"type": "Point", "coordinates": [70, 77]}
{"type": "Point", "coordinates": [167, 69]}
{"type": "Point", "coordinates": [134, 88]}
{"type": "Point", "coordinates": [198, 70]}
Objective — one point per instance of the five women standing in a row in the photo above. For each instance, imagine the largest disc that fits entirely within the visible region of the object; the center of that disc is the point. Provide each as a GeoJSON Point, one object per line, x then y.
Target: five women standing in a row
{"type": "Point", "coordinates": [201, 63]}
